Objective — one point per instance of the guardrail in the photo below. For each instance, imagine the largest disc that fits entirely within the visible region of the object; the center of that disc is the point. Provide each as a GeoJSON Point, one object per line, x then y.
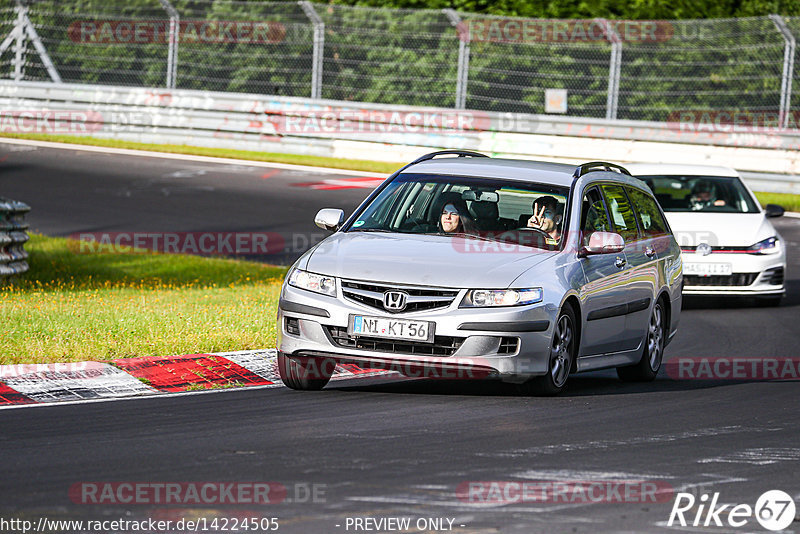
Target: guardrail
{"type": "Point", "coordinates": [383, 132]}
{"type": "Point", "coordinates": [13, 237]}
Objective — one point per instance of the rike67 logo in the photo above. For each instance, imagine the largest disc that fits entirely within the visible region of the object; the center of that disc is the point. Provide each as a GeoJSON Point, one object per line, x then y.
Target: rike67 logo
{"type": "Point", "coordinates": [774, 510]}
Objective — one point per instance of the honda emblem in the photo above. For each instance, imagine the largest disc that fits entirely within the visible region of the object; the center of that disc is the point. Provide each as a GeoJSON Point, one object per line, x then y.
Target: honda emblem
{"type": "Point", "coordinates": [395, 300]}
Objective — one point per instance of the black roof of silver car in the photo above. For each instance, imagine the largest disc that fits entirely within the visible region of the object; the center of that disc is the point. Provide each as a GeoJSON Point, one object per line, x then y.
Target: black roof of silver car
{"type": "Point", "coordinates": [459, 153]}
{"type": "Point", "coordinates": [580, 170]}
{"type": "Point", "coordinates": [599, 166]}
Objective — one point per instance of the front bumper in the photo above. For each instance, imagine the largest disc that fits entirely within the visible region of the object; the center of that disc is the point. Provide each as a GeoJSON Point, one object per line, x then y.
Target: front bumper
{"type": "Point", "coordinates": [510, 343]}
{"type": "Point", "coordinates": [753, 275]}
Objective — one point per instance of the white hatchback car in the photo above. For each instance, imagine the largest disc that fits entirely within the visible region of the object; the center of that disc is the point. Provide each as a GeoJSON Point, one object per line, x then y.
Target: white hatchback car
{"type": "Point", "coordinates": [729, 246]}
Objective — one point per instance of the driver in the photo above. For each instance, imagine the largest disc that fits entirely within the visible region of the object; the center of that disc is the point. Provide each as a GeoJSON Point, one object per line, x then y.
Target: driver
{"type": "Point", "coordinates": [704, 194]}
{"type": "Point", "coordinates": [546, 217]}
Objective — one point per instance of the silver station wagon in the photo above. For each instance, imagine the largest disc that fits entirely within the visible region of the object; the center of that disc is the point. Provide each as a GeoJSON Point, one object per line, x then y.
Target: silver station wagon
{"type": "Point", "coordinates": [467, 267]}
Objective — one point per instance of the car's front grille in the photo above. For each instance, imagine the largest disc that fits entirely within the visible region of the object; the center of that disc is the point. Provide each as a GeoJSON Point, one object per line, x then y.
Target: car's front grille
{"type": "Point", "coordinates": [736, 279]}
{"type": "Point", "coordinates": [508, 345]}
{"type": "Point", "coordinates": [773, 276]}
{"type": "Point", "coordinates": [718, 250]}
{"type": "Point", "coordinates": [419, 298]}
{"type": "Point", "coordinates": [292, 326]}
{"type": "Point", "coordinates": [441, 346]}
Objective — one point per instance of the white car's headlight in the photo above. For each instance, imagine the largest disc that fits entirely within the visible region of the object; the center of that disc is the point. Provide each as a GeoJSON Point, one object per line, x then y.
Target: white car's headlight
{"type": "Point", "coordinates": [771, 245]}
{"type": "Point", "coordinates": [317, 283]}
{"type": "Point", "coordinates": [483, 298]}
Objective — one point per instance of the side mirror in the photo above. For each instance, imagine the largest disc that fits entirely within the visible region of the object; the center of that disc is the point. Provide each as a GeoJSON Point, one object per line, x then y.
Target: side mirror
{"type": "Point", "coordinates": [330, 219]}
{"type": "Point", "coordinates": [603, 243]}
{"type": "Point", "coordinates": [773, 210]}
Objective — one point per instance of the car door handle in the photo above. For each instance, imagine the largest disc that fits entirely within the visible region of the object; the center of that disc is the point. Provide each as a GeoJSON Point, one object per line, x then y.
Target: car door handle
{"type": "Point", "coordinates": [620, 262]}
{"type": "Point", "coordinates": [649, 252]}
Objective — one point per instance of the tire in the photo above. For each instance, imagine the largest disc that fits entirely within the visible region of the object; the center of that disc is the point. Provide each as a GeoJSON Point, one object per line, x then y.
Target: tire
{"type": "Point", "coordinates": [653, 352]}
{"type": "Point", "coordinates": [563, 348]}
{"type": "Point", "coordinates": [305, 373]}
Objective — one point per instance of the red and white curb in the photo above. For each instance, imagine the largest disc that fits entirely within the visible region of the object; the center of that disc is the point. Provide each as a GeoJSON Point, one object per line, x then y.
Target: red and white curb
{"type": "Point", "coordinates": [126, 377]}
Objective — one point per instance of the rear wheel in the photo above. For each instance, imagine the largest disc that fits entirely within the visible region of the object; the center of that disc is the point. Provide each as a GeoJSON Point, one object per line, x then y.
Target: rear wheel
{"type": "Point", "coordinates": [308, 373]}
{"type": "Point", "coordinates": [647, 368]}
{"type": "Point", "coordinates": [563, 348]}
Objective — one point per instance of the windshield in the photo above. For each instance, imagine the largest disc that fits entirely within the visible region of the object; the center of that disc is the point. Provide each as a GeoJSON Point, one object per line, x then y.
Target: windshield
{"type": "Point", "coordinates": [482, 208]}
{"type": "Point", "coordinates": [723, 194]}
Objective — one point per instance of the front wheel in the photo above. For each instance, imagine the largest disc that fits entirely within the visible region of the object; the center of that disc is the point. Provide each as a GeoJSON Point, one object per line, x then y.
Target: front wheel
{"type": "Point", "coordinates": [563, 348]}
{"type": "Point", "coordinates": [647, 368]}
{"type": "Point", "coordinates": [307, 373]}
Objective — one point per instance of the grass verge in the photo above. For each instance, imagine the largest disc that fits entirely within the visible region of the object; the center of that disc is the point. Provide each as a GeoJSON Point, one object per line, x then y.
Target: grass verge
{"type": "Point", "coordinates": [788, 201]}
{"type": "Point", "coordinates": [78, 307]}
{"type": "Point", "coordinates": [294, 159]}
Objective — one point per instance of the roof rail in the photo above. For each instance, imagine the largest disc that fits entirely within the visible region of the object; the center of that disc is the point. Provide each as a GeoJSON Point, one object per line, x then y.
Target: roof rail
{"type": "Point", "coordinates": [580, 170]}
{"type": "Point", "coordinates": [460, 153]}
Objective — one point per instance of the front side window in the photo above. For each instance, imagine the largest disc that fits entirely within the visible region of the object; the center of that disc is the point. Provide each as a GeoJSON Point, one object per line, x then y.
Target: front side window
{"type": "Point", "coordinates": [621, 212]}
{"type": "Point", "coordinates": [720, 194]}
{"type": "Point", "coordinates": [594, 217]}
{"type": "Point", "coordinates": [486, 208]}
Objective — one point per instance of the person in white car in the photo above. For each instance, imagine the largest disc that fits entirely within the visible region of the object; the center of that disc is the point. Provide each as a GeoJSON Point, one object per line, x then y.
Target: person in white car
{"type": "Point", "coordinates": [704, 194]}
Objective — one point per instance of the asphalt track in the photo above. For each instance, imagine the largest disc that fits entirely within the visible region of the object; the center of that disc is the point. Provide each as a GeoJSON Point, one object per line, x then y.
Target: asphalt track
{"type": "Point", "coordinates": [74, 191]}
{"type": "Point", "coordinates": [383, 448]}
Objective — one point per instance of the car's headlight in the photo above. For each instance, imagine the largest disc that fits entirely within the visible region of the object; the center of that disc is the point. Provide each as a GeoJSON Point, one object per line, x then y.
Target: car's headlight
{"type": "Point", "coordinates": [770, 245]}
{"type": "Point", "coordinates": [317, 283]}
{"type": "Point", "coordinates": [483, 298]}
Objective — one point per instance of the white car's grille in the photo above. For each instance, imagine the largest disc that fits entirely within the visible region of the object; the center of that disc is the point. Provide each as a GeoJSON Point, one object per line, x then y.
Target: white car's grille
{"type": "Point", "coordinates": [419, 298]}
{"type": "Point", "coordinates": [736, 279]}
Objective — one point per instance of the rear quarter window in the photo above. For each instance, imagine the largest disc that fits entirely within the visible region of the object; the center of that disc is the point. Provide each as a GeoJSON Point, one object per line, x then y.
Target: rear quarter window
{"type": "Point", "coordinates": [649, 216]}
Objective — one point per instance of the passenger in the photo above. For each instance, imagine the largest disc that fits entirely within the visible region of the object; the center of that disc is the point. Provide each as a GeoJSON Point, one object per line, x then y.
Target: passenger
{"type": "Point", "coordinates": [546, 217]}
{"type": "Point", "coordinates": [451, 221]}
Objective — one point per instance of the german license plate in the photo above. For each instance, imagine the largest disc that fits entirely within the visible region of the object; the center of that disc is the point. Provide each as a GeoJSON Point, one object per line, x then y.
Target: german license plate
{"type": "Point", "coordinates": [708, 269]}
{"type": "Point", "coordinates": [386, 327]}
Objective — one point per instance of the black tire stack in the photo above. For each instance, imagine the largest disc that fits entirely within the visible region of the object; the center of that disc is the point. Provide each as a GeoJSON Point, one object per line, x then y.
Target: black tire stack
{"type": "Point", "coordinates": [13, 237]}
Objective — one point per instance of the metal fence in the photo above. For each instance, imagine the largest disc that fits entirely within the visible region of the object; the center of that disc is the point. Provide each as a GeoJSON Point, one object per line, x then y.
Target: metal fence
{"type": "Point", "coordinates": [635, 70]}
{"type": "Point", "coordinates": [13, 237]}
